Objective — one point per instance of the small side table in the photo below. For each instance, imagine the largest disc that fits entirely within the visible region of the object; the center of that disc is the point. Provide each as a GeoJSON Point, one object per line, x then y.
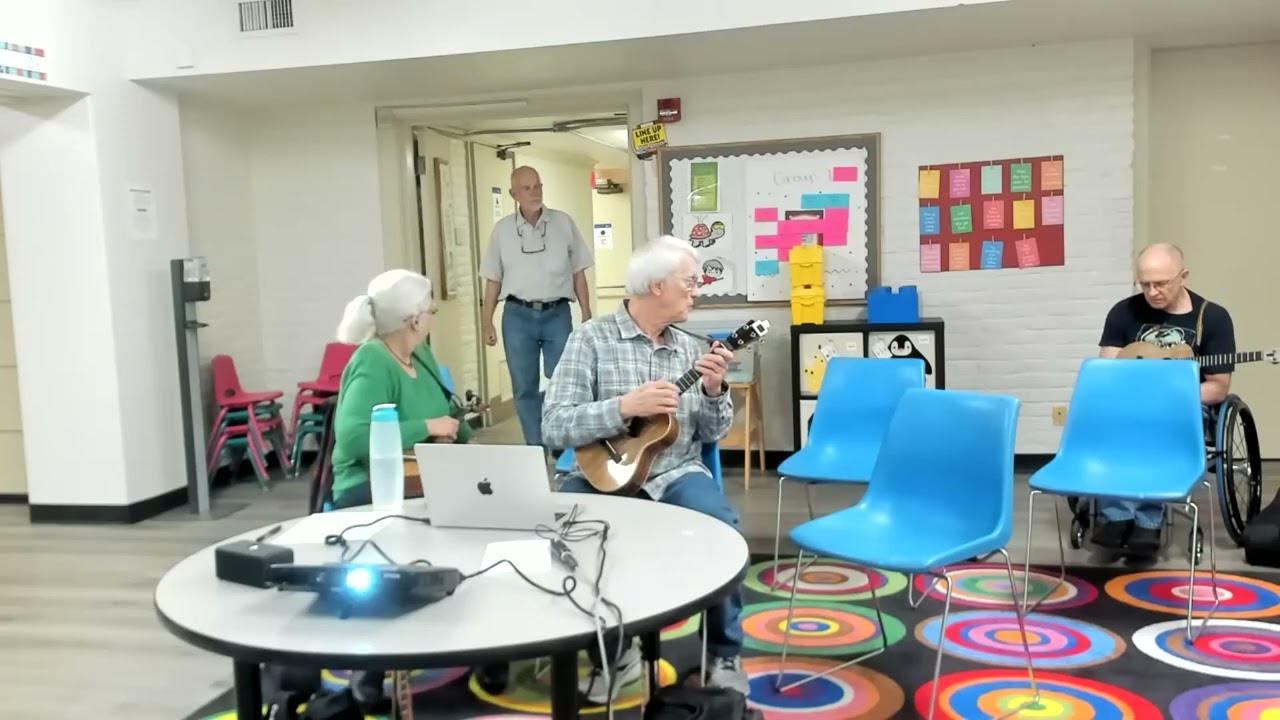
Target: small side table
{"type": "Point", "coordinates": [748, 434]}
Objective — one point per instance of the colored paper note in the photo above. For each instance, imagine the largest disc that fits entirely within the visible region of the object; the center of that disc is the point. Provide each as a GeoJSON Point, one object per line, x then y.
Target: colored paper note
{"type": "Point", "coordinates": [961, 218]}
{"type": "Point", "coordinates": [1051, 175]}
{"type": "Point", "coordinates": [837, 232]}
{"type": "Point", "coordinates": [1028, 252]}
{"type": "Point", "coordinates": [1020, 177]}
{"type": "Point", "coordinates": [766, 214]}
{"type": "Point", "coordinates": [704, 187]}
{"type": "Point", "coordinates": [958, 256]}
{"type": "Point", "coordinates": [992, 254]}
{"type": "Point", "coordinates": [822, 201]}
{"type": "Point", "coordinates": [1051, 210]}
{"type": "Point", "coordinates": [929, 183]}
{"type": "Point", "coordinates": [993, 215]}
{"type": "Point", "coordinates": [929, 223]}
{"type": "Point", "coordinates": [960, 183]}
{"type": "Point", "coordinates": [844, 174]}
{"type": "Point", "coordinates": [766, 267]}
{"type": "Point", "coordinates": [931, 258]}
{"type": "Point", "coordinates": [992, 179]}
{"type": "Point", "coordinates": [1024, 214]}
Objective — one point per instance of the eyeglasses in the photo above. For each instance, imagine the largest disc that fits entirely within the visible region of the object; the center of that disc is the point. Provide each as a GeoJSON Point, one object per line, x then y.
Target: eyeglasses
{"type": "Point", "coordinates": [690, 281]}
{"type": "Point", "coordinates": [1158, 284]}
{"type": "Point", "coordinates": [524, 246]}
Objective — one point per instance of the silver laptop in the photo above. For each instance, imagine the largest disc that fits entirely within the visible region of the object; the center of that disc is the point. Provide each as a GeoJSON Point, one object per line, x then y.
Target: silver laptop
{"type": "Point", "coordinates": [492, 487]}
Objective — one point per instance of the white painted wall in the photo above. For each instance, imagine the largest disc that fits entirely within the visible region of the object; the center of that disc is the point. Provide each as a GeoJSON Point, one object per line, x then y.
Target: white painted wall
{"type": "Point", "coordinates": [1018, 331]}
{"type": "Point", "coordinates": [202, 36]}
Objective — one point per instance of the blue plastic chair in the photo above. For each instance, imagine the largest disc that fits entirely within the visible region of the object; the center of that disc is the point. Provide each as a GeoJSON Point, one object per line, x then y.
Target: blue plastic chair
{"type": "Point", "coordinates": [710, 458]}
{"type": "Point", "coordinates": [857, 398]}
{"type": "Point", "coordinates": [941, 492]}
{"type": "Point", "coordinates": [1134, 431]}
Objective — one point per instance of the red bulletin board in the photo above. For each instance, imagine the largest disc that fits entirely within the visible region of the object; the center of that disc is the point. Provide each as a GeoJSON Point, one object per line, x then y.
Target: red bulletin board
{"type": "Point", "coordinates": [1010, 224]}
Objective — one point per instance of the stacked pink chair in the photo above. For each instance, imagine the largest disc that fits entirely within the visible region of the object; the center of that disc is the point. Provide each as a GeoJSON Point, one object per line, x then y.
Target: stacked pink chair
{"type": "Point", "coordinates": [247, 422]}
{"type": "Point", "coordinates": [314, 393]}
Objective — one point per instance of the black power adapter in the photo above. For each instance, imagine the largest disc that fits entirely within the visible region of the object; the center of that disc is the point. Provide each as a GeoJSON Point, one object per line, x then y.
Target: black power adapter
{"type": "Point", "coordinates": [249, 563]}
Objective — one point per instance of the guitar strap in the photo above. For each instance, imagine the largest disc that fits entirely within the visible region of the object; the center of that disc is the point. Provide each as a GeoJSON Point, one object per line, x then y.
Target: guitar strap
{"type": "Point", "coordinates": [1200, 326]}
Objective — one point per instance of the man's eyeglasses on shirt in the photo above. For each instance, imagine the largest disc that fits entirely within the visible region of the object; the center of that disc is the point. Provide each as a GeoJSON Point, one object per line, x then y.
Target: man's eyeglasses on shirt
{"type": "Point", "coordinates": [537, 240]}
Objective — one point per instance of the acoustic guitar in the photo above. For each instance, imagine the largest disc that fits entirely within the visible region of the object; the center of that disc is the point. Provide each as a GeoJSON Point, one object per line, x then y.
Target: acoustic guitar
{"type": "Point", "coordinates": [620, 464]}
{"type": "Point", "coordinates": [1183, 351]}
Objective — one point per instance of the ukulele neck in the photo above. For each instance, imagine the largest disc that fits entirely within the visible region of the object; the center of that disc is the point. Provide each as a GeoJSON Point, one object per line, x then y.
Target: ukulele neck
{"type": "Point", "coordinates": [688, 380]}
{"type": "Point", "coordinates": [1230, 358]}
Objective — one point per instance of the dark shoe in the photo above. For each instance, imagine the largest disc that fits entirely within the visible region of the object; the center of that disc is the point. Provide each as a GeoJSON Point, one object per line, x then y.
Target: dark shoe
{"type": "Point", "coordinates": [1112, 534]}
{"type": "Point", "coordinates": [369, 692]}
{"type": "Point", "coordinates": [493, 679]}
{"type": "Point", "coordinates": [1144, 540]}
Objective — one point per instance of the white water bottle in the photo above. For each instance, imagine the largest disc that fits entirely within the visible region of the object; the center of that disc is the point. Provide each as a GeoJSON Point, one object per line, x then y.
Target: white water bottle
{"type": "Point", "coordinates": [386, 460]}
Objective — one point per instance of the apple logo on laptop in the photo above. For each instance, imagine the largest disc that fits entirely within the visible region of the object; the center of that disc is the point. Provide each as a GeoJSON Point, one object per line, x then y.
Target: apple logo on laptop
{"type": "Point", "coordinates": [484, 487]}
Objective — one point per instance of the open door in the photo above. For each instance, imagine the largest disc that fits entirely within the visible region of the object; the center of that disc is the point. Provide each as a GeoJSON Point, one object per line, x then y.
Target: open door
{"type": "Point", "coordinates": [489, 184]}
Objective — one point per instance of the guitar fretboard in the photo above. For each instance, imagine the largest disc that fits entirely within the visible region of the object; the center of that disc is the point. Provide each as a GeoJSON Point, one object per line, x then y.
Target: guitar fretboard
{"type": "Point", "coordinates": [1230, 358]}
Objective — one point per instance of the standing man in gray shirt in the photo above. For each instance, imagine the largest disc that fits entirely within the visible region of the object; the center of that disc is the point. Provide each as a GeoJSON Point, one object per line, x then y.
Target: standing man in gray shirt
{"type": "Point", "coordinates": [536, 261]}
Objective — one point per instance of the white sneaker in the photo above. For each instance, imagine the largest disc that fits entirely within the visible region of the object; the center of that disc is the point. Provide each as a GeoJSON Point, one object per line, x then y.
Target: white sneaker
{"type": "Point", "coordinates": [728, 673]}
{"type": "Point", "coordinates": [595, 686]}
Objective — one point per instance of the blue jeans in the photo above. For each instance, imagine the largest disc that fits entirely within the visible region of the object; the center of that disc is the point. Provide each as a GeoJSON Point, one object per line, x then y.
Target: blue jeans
{"type": "Point", "coordinates": [1143, 515]}
{"type": "Point", "coordinates": [695, 491]}
{"type": "Point", "coordinates": [528, 336]}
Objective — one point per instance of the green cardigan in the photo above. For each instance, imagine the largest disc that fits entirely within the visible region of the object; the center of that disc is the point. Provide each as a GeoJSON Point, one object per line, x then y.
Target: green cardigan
{"type": "Point", "coordinates": [372, 377]}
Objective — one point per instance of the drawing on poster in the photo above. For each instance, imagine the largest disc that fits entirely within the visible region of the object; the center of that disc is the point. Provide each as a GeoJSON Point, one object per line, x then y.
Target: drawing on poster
{"type": "Point", "coordinates": [706, 230]}
{"type": "Point", "coordinates": [905, 345]}
{"type": "Point", "coordinates": [1021, 222]}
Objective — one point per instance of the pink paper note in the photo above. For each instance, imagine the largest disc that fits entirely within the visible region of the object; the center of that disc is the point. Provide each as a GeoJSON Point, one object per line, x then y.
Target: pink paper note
{"type": "Point", "coordinates": [837, 221]}
{"type": "Point", "coordinates": [958, 256]}
{"type": "Point", "coordinates": [960, 183]}
{"type": "Point", "coordinates": [1051, 210]}
{"type": "Point", "coordinates": [1028, 252]}
{"type": "Point", "coordinates": [766, 214]}
{"type": "Point", "coordinates": [993, 215]}
{"type": "Point", "coordinates": [800, 227]}
{"type": "Point", "coordinates": [844, 174]}
{"type": "Point", "coordinates": [931, 258]}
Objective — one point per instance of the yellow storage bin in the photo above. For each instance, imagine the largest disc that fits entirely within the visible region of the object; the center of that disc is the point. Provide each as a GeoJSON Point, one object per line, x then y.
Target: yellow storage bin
{"type": "Point", "coordinates": [806, 266]}
{"type": "Point", "coordinates": [807, 305]}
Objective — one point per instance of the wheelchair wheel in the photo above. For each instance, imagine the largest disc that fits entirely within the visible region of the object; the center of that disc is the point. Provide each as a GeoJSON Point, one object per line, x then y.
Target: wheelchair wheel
{"type": "Point", "coordinates": [1239, 467]}
{"type": "Point", "coordinates": [1077, 534]}
{"type": "Point", "coordinates": [1195, 544]}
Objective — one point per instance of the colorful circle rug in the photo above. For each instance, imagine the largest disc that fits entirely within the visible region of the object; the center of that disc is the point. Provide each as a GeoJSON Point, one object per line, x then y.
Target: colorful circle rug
{"type": "Point", "coordinates": [851, 692]}
{"type": "Point", "coordinates": [1166, 591]}
{"type": "Point", "coordinates": [817, 628]}
{"type": "Point", "coordinates": [991, 693]}
{"type": "Point", "coordinates": [1228, 701]}
{"type": "Point", "coordinates": [986, 585]}
{"type": "Point", "coordinates": [529, 688]}
{"type": "Point", "coordinates": [992, 637]}
{"type": "Point", "coordinates": [419, 680]}
{"type": "Point", "coordinates": [679, 629]}
{"type": "Point", "coordinates": [824, 579]}
{"type": "Point", "coordinates": [1236, 649]}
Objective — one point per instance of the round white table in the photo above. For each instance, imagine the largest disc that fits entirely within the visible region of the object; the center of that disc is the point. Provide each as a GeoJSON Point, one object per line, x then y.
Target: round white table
{"type": "Point", "coordinates": [664, 563]}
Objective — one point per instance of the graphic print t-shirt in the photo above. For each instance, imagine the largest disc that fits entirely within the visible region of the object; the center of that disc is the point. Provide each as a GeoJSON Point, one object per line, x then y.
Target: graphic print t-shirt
{"type": "Point", "coordinates": [1134, 320]}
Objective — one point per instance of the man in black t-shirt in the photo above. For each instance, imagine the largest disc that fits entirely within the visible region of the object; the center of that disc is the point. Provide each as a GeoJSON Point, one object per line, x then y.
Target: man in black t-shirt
{"type": "Point", "coordinates": [1165, 313]}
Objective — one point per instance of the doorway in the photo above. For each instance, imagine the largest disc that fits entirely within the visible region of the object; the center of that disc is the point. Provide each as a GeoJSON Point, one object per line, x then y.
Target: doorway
{"type": "Point", "coordinates": [584, 164]}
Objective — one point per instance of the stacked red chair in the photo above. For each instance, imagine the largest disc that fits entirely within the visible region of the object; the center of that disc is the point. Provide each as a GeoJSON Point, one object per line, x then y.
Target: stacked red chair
{"type": "Point", "coordinates": [246, 421]}
{"type": "Point", "coordinates": [315, 393]}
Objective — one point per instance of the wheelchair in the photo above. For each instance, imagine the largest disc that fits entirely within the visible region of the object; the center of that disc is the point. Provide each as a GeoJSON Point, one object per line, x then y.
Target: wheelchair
{"type": "Point", "coordinates": [1232, 455]}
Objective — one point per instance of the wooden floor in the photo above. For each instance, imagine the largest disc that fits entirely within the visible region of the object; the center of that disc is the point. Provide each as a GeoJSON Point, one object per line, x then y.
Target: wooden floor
{"type": "Point", "coordinates": [79, 598]}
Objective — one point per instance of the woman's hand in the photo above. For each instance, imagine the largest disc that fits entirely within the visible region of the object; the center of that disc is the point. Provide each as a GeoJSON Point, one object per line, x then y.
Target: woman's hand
{"type": "Point", "coordinates": [443, 427]}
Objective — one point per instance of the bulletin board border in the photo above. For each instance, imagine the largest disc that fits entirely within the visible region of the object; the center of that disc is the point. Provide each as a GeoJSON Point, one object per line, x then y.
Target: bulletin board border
{"type": "Point", "coordinates": [870, 142]}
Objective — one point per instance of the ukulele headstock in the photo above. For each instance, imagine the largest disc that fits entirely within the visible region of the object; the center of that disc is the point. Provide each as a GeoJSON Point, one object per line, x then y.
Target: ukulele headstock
{"type": "Point", "coordinates": [1272, 356]}
{"type": "Point", "coordinates": [751, 331]}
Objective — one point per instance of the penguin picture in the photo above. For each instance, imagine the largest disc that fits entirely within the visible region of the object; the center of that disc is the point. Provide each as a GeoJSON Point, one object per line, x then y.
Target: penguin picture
{"type": "Point", "coordinates": [901, 346]}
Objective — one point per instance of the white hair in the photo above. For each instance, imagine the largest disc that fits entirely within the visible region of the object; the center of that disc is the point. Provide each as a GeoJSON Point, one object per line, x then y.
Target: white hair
{"type": "Point", "coordinates": [392, 299]}
{"type": "Point", "coordinates": [654, 261]}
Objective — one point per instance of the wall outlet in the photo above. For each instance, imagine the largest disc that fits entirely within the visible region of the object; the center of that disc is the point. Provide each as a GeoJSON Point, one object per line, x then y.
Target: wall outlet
{"type": "Point", "coordinates": [1059, 415]}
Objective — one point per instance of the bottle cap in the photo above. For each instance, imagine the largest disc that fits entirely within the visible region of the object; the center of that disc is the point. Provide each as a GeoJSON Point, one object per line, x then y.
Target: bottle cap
{"type": "Point", "coordinates": [385, 413]}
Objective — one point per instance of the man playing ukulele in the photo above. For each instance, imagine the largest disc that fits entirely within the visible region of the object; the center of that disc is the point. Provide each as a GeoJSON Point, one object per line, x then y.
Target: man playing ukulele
{"type": "Point", "coordinates": [1164, 314]}
{"type": "Point", "coordinates": [621, 366]}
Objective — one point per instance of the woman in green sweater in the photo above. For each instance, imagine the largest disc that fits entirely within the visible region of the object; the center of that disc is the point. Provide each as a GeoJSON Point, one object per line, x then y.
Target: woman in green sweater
{"type": "Point", "coordinates": [393, 364]}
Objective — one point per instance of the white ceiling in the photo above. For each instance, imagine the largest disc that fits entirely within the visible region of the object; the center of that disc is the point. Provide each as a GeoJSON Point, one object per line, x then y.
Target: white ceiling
{"type": "Point", "coordinates": [616, 68]}
{"type": "Point", "coordinates": [606, 145]}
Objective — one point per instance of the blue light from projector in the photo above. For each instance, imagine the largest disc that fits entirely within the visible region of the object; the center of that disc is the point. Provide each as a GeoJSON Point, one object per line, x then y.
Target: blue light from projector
{"type": "Point", "coordinates": [359, 579]}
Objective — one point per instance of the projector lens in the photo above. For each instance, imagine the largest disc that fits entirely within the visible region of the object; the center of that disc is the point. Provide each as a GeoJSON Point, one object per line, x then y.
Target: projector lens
{"type": "Point", "coordinates": [359, 579]}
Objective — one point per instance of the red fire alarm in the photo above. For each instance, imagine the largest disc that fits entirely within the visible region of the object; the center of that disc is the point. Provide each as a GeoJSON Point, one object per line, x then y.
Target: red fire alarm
{"type": "Point", "coordinates": [669, 110]}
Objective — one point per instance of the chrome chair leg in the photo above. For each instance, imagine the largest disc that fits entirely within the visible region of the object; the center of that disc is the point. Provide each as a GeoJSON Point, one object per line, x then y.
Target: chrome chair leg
{"type": "Point", "coordinates": [786, 640]}
{"type": "Point", "coordinates": [777, 535]}
{"type": "Point", "coordinates": [1025, 606]}
{"type": "Point", "coordinates": [702, 667]}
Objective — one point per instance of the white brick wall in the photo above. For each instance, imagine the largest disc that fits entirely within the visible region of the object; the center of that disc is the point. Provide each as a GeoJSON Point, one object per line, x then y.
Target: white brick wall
{"type": "Point", "coordinates": [1013, 331]}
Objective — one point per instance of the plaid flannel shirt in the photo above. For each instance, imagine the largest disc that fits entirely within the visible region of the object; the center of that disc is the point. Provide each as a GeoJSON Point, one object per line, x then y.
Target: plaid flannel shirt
{"type": "Point", "coordinates": [608, 357]}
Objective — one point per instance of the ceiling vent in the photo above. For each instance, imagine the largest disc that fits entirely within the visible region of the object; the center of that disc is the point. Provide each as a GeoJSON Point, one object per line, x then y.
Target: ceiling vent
{"type": "Point", "coordinates": [258, 16]}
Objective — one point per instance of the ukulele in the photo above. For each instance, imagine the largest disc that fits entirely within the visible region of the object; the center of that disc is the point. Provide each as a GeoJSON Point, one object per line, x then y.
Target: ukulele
{"type": "Point", "coordinates": [1183, 351]}
{"type": "Point", "coordinates": [620, 464]}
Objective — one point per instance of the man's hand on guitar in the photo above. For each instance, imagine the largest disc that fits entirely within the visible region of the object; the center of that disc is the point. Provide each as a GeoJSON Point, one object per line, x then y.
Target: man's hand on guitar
{"type": "Point", "coordinates": [713, 366]}
{"type": "Point", "coordinates": [656, 397]}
